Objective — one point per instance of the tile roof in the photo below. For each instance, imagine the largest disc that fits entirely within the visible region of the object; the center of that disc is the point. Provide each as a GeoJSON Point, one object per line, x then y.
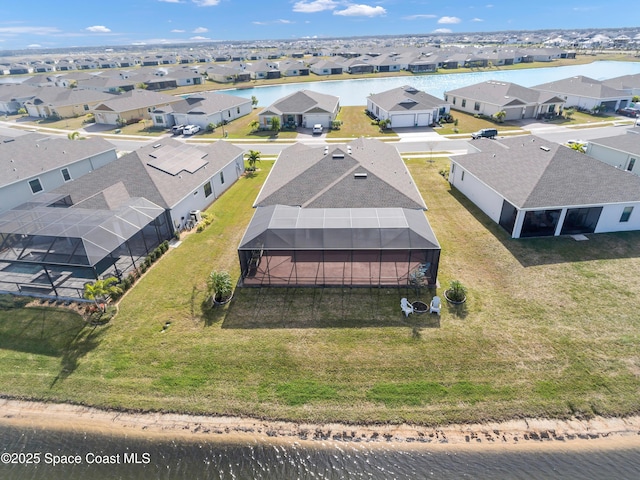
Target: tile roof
{"type": "Point", "coordinates": [363, 173]}
{"type": "Point", "coordinates": [530, 176]}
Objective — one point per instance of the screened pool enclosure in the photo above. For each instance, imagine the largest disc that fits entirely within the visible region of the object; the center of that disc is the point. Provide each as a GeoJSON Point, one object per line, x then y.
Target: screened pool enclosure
{"type": "Point", "coordinates": [49, 248]}
{"type": "Point", "coordinates": [292, 246]}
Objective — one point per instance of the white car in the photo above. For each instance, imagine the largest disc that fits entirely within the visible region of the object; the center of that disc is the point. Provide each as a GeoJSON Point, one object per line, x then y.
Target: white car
{"type": "Point", "coordinates": [317, 128]}
{"type": "Point", "coordinates": [191, 129]}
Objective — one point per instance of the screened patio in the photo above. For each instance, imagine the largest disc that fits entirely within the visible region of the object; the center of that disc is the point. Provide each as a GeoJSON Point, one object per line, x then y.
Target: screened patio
{"type": "Point", "coordinates": [292, 246]}
{"type": "Point", "coordinates": [49, 249]}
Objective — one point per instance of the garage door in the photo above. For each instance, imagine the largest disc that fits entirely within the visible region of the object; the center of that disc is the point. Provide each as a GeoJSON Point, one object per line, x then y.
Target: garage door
{"type": "Point", "coordinates": [398, 121]}
{"type": "Point", "coordinates": [311, 120]}
{"type": "Point", "coordinates": [424, 119]}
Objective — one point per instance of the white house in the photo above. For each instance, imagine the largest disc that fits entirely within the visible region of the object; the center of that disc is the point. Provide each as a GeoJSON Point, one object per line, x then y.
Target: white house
{"type": "Point", "coordinates": [534, 188]}
{"type": "Point", "coordinates": [34, 164]}
{"type": "Point", "coordinates": [620, 151]}
{"type": "Point", "coordinates": [303, 108]}
{"type": "Point", "coordinates": [407, 107]}
{"type": "Point", "coordinates": [587, 93]}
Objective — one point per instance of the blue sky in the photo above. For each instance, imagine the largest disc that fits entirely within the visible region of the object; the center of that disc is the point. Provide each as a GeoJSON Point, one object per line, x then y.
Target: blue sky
{"type": "Point", "coordinates": [67, 23]}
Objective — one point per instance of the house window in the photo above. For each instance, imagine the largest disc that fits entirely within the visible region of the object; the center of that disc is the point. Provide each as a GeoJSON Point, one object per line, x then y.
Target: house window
{"type": "Point", "coordinates": [551, 109]}
{"type": "Point", "coordinates": [238, 110]}
{"type": "Point", "coordinates": [35, 185]}
{"type": "Point", "coordinates": [476, 106]}
{"type": "Point", "coordinates": [454, 100]}
{"type": "Point", "coordinates": [222, 177]}
{"type": "Point", "coordinates": [462, 176]}
{"type": "Point", "coordinates": [159, 119]}
{"type": "Point", "coordinates": [453, 167]}
{"type": "Point", "coordinates": [626, 213]}
{"type": "Point", "coordinates": [632, 162]}
{"type": "Point", "coordinates": [464, 102]}
{"type": "Point", "coordinates": [229, 113]}
{"type": "Point", "coordinates": [65, 174]}
{"type": "Point", "coordinates": [86, 108]}
{"type": "Point", "coordinates": [207, 189]}
{"type": "Point", "coordinates": [446, 98]}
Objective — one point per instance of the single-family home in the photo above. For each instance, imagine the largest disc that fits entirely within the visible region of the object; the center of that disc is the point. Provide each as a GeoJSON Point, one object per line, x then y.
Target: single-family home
{"type": "Point", "coordinates": [131, 107]}
{"type": "Point", "coordinates": [626, 83]}
{"type": "Point", "coordinates": [106, 222]}
{"type": "Point", "coordinates": [293, 68]}
{"type": "Point", "coordinates": [620, 151]}
{"type": "Point", "coordinates": [347, 214]}
{"type": "Point", "coordinates": [262, 70]}
{"type": "Point", "coordinates": [407, 106]}
{"type": "Point", "coordinates": [33, 164]}
{"type": "Point", "coordinates": [14, 95]}
{"type": "Point", "coordinates": [303, 108]}
{"type": "Point", "coordinates": [532, 187]}
{"type": "Point", "coordinates": [587, 93]}
{"type": "Point", "coordinates": [493, 96]}
{"type": "Point", "coordinates": [326, 67]}
{"type": "Point", "coordinates": [64, 102]}
{"type": "Point", "coordinates": [202, 109]}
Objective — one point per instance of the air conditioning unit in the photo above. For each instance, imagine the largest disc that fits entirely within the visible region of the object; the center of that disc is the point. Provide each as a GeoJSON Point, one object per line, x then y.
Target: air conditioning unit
{"type": "Point", "coordinates": [195, 215]}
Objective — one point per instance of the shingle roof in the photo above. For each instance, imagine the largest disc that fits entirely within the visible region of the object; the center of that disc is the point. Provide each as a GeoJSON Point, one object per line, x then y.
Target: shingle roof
{"type": "Point", "coordinates": [143, 180]}
{"type": "Point", "coordinates": [303, 101]}
{"type": "Point", "coordinates": [557, 176]}
{"type": "Point", "coordinates": [406, 98]}
{"type": "Point", "coordinates": [583, 87]}
{"type": "Point", "coordinates": [503, 93]}
{"type": "Point", "coordinates": [135, 99]}
{"type": "Point", "coordinates": [68, 96]}
{"type": "Point", "coordinates": [309, 177]}
{"type": "Point", "coordinates": [33, 154]}
{"type": "Point", "coordinates": [208, 102]}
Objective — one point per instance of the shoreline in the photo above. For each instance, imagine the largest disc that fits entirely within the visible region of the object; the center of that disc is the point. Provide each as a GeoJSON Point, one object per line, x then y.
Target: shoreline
{"type": "Point", "coordinates": [597, 432]}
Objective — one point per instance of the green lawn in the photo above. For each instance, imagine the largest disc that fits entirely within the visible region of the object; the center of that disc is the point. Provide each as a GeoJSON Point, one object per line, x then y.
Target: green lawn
{"type": "Point", "coordinates": [550, 329]}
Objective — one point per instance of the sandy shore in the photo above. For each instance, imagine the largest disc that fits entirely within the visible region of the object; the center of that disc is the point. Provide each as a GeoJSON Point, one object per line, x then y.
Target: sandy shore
{"type": "Point", "coordinates": [598, 432]}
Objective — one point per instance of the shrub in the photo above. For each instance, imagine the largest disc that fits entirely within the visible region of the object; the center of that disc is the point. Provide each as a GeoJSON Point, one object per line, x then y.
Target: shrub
{"type": "Point", "coordinates": [456, 292]}
{"type": "Point", "coordinates": [219, 285]}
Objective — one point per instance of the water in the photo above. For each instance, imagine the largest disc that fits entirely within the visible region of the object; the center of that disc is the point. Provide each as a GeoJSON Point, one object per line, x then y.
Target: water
{"type": "Point", "coordinates": [281, 460]}
{"type": "Point", "coordinates": [355, 92]}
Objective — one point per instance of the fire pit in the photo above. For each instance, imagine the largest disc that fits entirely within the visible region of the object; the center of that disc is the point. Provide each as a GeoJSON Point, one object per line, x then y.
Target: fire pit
{"type": "Point", "coordinates": [420, 307]}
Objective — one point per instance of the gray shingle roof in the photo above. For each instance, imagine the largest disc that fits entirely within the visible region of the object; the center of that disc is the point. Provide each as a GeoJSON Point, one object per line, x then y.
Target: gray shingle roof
{"type": "Point", "coordinates": [309, 177]}
{"type": "Point", "coordinates": [135, 99]}
{"type": "Point", "coordinates": [581, 86]}
{"type": "Point", "coordinates": [503, 93]}
{"type": "Point", "coordinates": [406, 98]}
{"type": "Point", "coordinates": [303, 101]}
{"type": "Point", "coordinates": [208, 102]}
{"type": "Point", "coordinates": [59, 96]}
{"type": "Point", "coordinates": [530, 177]}
{"type": "Point", "coordinates": [30, 155]}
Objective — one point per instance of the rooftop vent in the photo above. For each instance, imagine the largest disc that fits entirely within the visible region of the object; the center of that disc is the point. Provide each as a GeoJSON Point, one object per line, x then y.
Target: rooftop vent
{"type": "Point", "coordinates": [546, 149]}
{"type": "Point", "coordinates": [338, 155]}
{"type": "Point", "coordinates": [359, 175]}
{"type": "Point", "coordinates": [157, 145]}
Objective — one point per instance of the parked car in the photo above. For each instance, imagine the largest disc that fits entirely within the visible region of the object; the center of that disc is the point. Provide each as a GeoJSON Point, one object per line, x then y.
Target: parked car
{"type": "Point", "coordinates": [317, 128]}
{"type": "Point", "coordinates": [485, 133]}
{"type": "Point", "coordinates": [177, 129]}
{"type": "Point", "coordinates": [191, 129]}
{"type": "Point", "coordinates": [629, 112]}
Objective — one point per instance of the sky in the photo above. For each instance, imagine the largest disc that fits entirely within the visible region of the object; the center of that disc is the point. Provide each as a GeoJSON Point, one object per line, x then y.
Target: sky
{"type": "Point", "coordinates": [78, 23]}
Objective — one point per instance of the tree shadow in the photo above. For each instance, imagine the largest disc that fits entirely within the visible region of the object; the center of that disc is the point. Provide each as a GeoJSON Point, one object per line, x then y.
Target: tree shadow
{"type": "Point", "coordinates": [85, 341]}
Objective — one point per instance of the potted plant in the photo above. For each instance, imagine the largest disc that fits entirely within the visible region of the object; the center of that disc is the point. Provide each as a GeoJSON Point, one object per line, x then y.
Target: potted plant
{"type": "Point", "coordinates": [220, 287]}
{"type": "Point", "coordinates": [456, 293]}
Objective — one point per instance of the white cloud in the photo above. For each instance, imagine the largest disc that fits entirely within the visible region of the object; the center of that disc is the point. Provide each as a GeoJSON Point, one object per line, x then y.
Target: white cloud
{"type": "Point", "coordinates": [34, 45]}
{"type": "Point", "coordinates": [448, 20]}
{"type": "Point", "coordinates": [314, 6]}
{"type": "Point", "coordinates": [489, 6]}
{"type": "Point", "coordinates": [200, 30]}
{"type": "Point", "coordinates": [361, 11]}
{"type": "Point", "coordinates": [29, 30]}
{"type": "Point", "coordinates": [177, 30]}
{"type": "Point", "coordinates": [442, 30]}
{"type": "Point", "coordinates": [206, 3]}
{"type": "Point", "coordinates": [419, 17]}
{"type": "Point", "coordinates": [98, 29]}
{"type": "Point", "coordinates": [199, 37]}
{"type": "Point", "coordinates": [171, 1]}
{"type": "Point", "coordinates": [477, 20]}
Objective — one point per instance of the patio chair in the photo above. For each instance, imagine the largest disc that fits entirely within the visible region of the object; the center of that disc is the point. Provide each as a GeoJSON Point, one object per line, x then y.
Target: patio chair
{"type": "Point", "coordinates": [406, 307]}
{"type": "Point", "coordinates": [435, 306]}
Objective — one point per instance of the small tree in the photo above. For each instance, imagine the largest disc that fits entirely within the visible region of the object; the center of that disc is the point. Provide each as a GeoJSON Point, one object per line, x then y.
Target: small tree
{"type": "Point", "coordinates": [254, 125]}
{"type": "Point", "coordinates": [499, 116]}
{"type": "Point", "coordinates": [254, 101]}
{"type": "Point", "coordinates": [99, 290]}
{"type": "Point", "coordinates": [73, 135]}
{"type": "Point", "coordinates": [211, 127]}
{"type": "Point", "coordinates": [252, 159]}
{"type": "Point", "coordinates": [578, 147]}
{"type": "Point", "coordinates": [275, 124]}
{"type": "Point", "coordinates": [22, 111]}
{"type": "Point", "coordinates": [568, 112]}
{"type": "Point", "coordinates": [219, 286]}
{"type": "Point", "coordinates": [456, 292]}
{"type": "Point", "coordinates": [142, 86]}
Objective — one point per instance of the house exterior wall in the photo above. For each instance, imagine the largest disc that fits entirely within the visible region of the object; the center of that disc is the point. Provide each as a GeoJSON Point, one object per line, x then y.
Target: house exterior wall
{"type": "Point", "coordinates": [488, 200]}
{"type": "Point", "coordinates": [310, 120]}
{"type": "Point", "coordinates": [197, 200]}
{"type": "Point", "coordinates": [20, 192]}
{"type": "Point", "coordinates": [615, 158]}
{"type": "Point", "coordinates": [610, 218]}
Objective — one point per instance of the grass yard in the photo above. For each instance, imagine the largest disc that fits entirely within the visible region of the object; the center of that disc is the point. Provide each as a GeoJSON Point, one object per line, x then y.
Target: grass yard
{"type": "Point", "coordinates": [467, 123]}
{"type": "Point", "coordinates": [356, 124]}
{"type": "Point", "coordinates": [550, 329]}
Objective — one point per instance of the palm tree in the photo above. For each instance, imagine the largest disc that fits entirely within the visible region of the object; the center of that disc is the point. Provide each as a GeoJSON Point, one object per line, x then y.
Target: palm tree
{"type": "Point", "coordinates": [99, 290]}
{"type": "Point", "coordinates": [254, 101]}
{"type": "Point", "coordinates": [578, 147]}
{"type": "Point", "coordinates": [254, 125]}
{"type": "Point", "coordinates": [254, 156]}
{"type": "Point", "coordinates": [73, 135]}
{"type": "Point", "coordinates": [499, 116]}
{"type": "Point", "coordinates": [275, 124]}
